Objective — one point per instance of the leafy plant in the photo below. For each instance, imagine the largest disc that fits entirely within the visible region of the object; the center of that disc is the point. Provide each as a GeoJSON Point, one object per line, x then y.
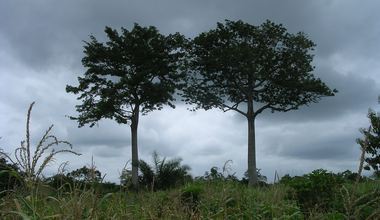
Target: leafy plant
{"type": "Point", "coordinates": [163, 174]}
{"type": "Point", "coordinates": [190, 197]}
{"type": "Point", "coordinates": [315, 190]}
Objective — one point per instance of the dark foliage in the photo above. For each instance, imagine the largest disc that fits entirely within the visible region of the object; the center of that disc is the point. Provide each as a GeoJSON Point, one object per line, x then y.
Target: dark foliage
{"type": "Point", "coordinates": [60, 181]}
{"type": "Point", "coordinates": [133, 72]}
{"type": "Point", "coordinates": [351, 177]}
{"type": "Point", "coordinates": [85, 174]}
{"type": "Point", "coordinates": [248, 69]}
{"type": "Point", "coordinates": [83, 178]}
{"type": "Point", "coordinates": [371, 141]}
{"type": "Point", "coordinates": [134, 68]}
{"type": "Point", "coordinates": [10, 176]}
{"type": "Point", "coordinates": [262, 180]}
{"type": "Point", "coordinates": [190, 196]}
{"type": "Point", "coordinates": [163, 174]}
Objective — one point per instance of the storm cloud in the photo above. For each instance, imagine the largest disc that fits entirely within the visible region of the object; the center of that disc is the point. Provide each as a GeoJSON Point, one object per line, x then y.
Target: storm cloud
{"type": "Point", "coordinates": [41, 50]}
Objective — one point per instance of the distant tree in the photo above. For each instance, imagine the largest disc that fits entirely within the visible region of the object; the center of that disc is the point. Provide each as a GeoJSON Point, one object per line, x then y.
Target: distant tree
{"type": "Point", "coordinates": [238, 65]}
{"type": "Point", "coordinates": [133, 72]}
{"type": "Point", "coordinates": [223, 174]}
{"type": "Point", "coordinates": [371, 141]}
{"type": "Point", "coordinates": [348, 175]}
{"type": "Point", "coordinates": [213, 174]}
{"type": "Point", "coordinates": [60, 180]}
{"type": "Point", "coordinates": [86, 175]}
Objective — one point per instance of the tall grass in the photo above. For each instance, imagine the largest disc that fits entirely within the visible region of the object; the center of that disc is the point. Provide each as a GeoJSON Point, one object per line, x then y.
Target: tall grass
{"type": "Point", "coordinates": [217, 200]}
{"type": "Point", "coordinates": [32, 163]}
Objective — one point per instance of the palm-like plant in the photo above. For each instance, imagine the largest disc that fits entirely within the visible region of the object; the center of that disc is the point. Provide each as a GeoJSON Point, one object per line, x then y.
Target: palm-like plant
{"type": "Point", "coordinates": [164, 173]}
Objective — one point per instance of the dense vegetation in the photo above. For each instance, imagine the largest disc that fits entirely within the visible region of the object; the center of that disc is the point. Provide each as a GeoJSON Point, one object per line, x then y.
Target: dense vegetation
{"type": "Point", "coordinates": [216, 195]}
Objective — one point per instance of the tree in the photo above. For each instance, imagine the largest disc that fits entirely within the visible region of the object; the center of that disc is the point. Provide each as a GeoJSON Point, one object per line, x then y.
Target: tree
{"type": "Point", "coordinates": [86, 175]}
{"type": "Point", "coordinates": [133, 72]}
{"type": "Point", "coordinates": [370, 143]}
{"type": "Point", "coordinates": [261, 67]}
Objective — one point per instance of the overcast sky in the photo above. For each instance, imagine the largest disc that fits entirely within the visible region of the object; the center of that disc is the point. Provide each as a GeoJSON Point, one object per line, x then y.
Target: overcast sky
{"type": "Point", "coordinates": [41, 47]}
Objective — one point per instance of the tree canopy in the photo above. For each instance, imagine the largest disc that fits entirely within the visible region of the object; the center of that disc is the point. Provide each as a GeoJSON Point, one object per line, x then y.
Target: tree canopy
{"type": "Point", "coordinates": [238, 61]}
{"type": "Point", "coordinates": [238, 65]}
{"type": "Point", "coordinates": [136, 68]}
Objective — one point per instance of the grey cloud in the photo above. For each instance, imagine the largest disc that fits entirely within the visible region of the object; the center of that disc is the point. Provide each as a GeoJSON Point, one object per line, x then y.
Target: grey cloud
{"type": "Point", "coordinates": [41, 45]}
{"type": "Point", "coordinates": [107, 133]}
{"type": "Point", "coordinates": [44, 34]}
{"type": "Point", "coordinates": [356, 94]}
{"type": "Point", "coordinates": [331, 148]}
{"type": "Point", "coordinates": [333, 140]}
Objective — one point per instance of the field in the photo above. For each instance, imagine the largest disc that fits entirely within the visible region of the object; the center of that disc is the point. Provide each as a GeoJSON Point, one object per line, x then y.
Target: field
{"type": "Point", "coordinates": [312, 196]}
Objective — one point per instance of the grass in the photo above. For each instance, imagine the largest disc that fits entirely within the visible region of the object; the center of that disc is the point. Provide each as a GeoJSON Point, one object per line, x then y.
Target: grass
{"type": "Point", "coordinates": [217, 200]}
{"type": "Point", "coordinates": [214, 200]}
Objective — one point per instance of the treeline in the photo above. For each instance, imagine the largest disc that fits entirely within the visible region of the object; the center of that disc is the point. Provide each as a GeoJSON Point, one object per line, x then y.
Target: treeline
{"type": "Point", "coordinates": [163, 174]}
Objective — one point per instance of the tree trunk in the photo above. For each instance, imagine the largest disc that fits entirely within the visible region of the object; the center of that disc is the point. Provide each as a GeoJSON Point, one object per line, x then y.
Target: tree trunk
{"type": "Point", "coordinates": [135, 154]}
{"type": "Point", "coordinates": [252, 172]}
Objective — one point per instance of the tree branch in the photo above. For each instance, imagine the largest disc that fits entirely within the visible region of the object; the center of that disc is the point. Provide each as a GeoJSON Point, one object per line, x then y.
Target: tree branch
{"type": "Point", "coordinates": [261, 110]}
{"type": "Point", "coordinates": [234, 107]}
{"type": "Point", "coordinates": [273, 108]}
{"type": "Point", "coordinates": [259, 84]}
{"type": "Point", "coordinates": [260, 90]}
{"type": "Point", "coordinates": [283, 109]}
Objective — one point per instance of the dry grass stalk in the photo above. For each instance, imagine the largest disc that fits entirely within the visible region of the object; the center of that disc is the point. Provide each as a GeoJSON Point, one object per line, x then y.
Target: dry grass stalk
{"type": "Point", "coordinates": [32, 164]}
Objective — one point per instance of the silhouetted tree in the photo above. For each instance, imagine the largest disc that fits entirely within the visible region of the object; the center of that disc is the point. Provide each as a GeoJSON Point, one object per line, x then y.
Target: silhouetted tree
{"type": "Point", "coordinates": [371, 141]}
{"type": "Point", "coordinates": [133, 72]}
{"type": "Point", "coordinates": [86, 175]}
{"type": "Point", "coordinates": [259, 67]}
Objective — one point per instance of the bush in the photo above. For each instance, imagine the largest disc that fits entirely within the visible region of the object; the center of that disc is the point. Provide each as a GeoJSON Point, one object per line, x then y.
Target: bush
{"type": "Point", "coordinates": [190, 196]}
{"type": "Point", "coordinates": [316, 190]}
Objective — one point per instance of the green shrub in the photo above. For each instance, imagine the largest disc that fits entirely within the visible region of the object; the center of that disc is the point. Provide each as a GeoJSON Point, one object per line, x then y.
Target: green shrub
{"type": "Point", "coordinates": [315, 190]}
{"type": "Point", "coordinates": [190, 196]}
